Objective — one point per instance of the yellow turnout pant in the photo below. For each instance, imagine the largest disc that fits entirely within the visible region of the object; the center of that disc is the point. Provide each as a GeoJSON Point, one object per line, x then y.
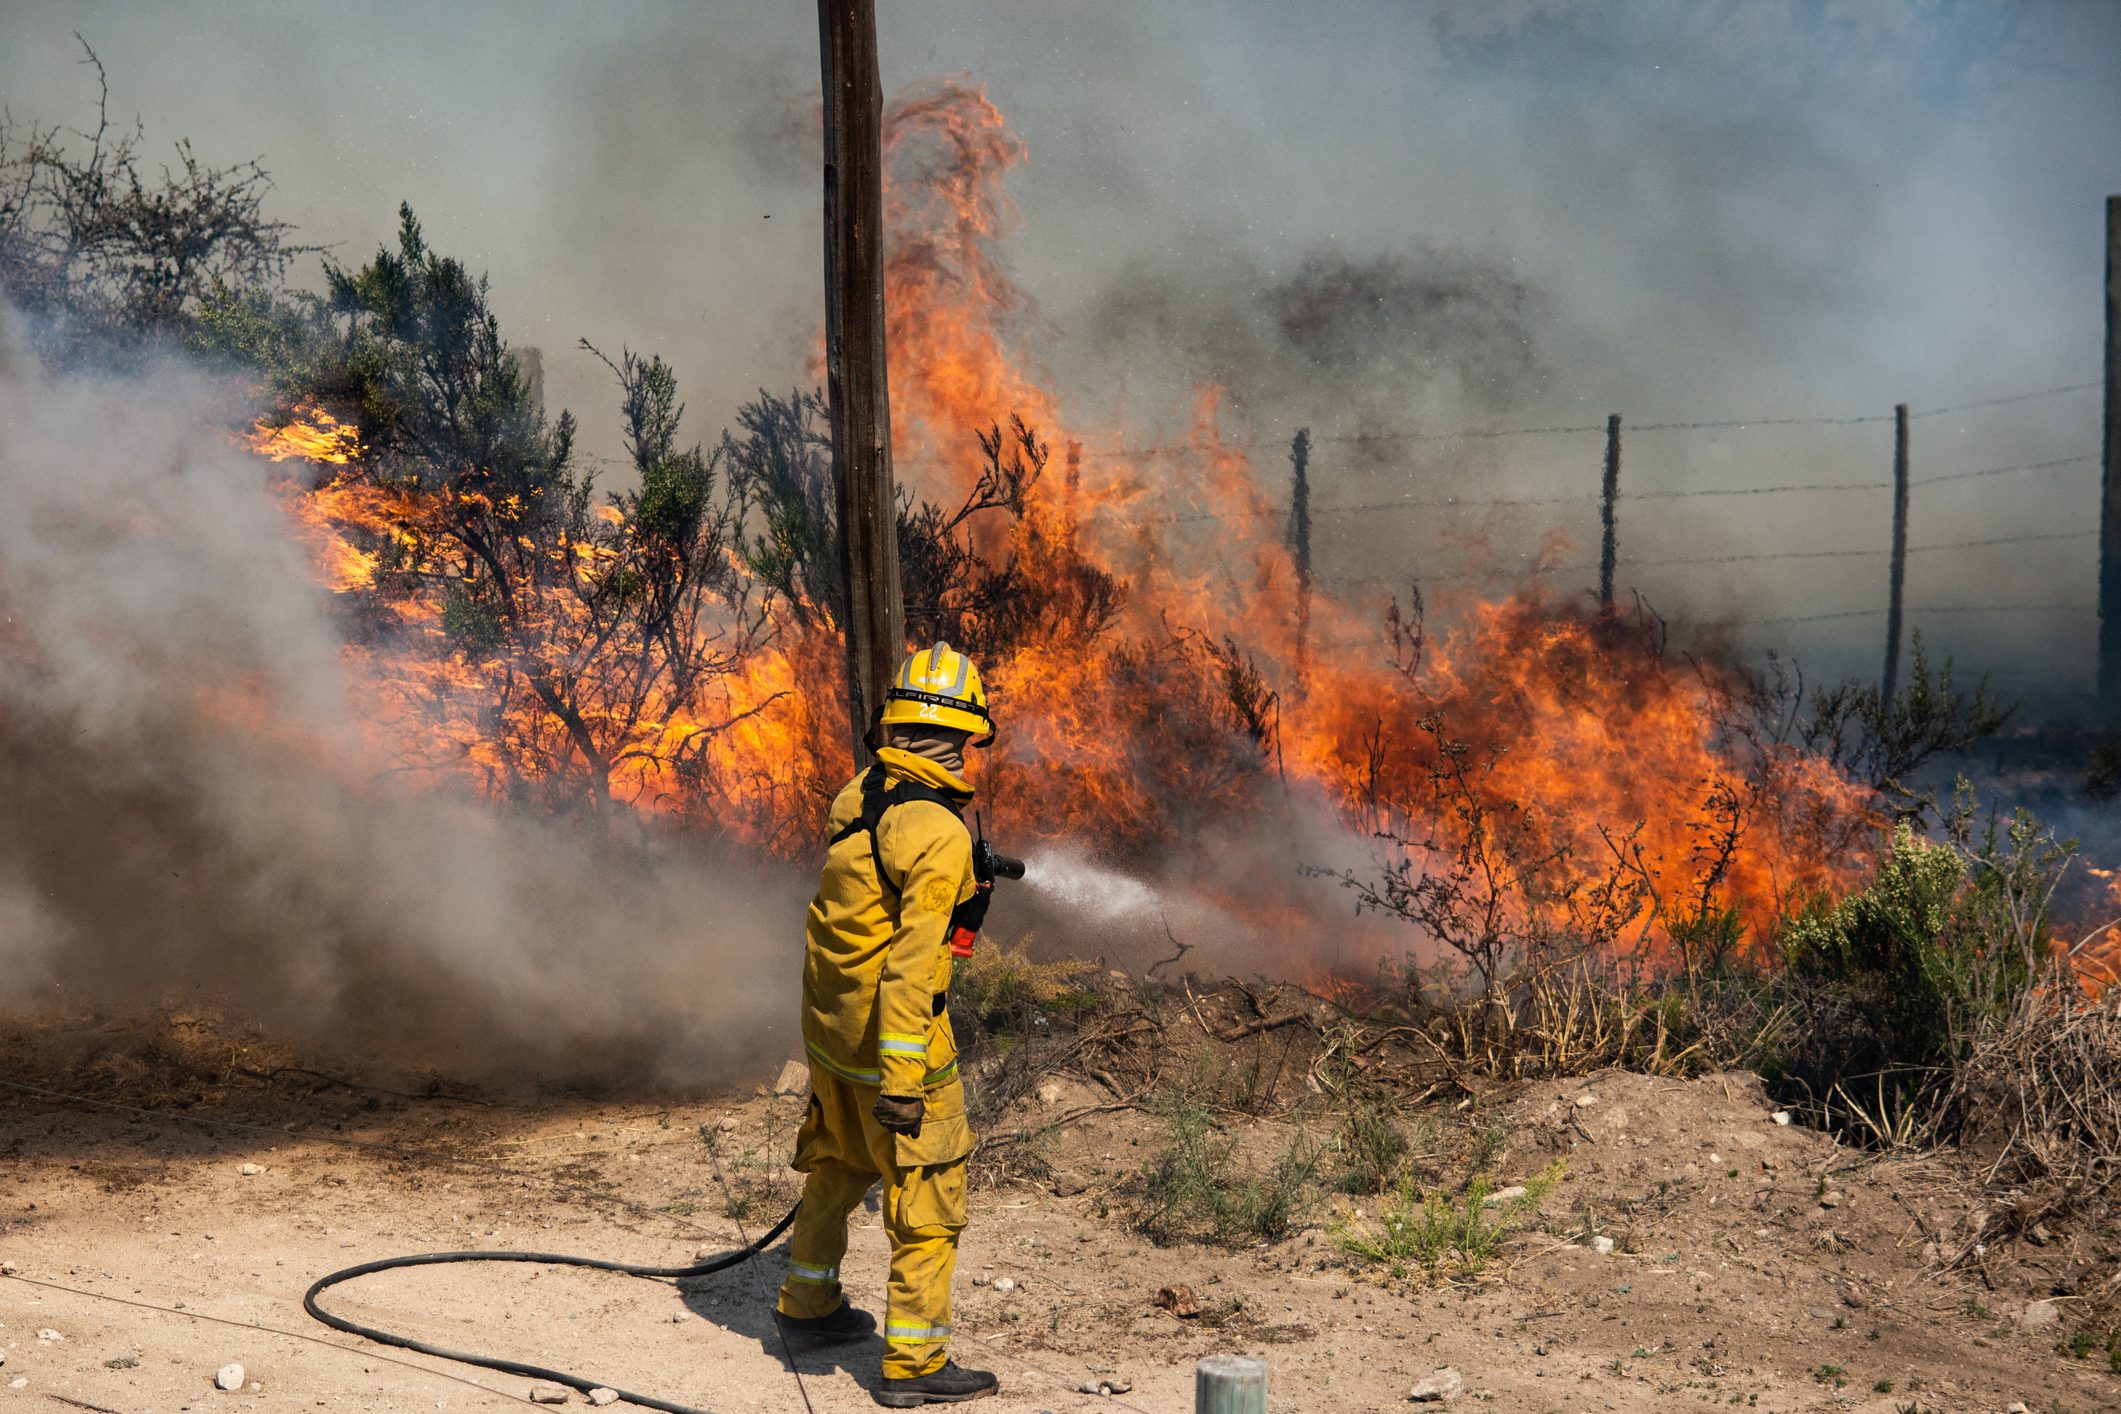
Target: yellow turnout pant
{"type": "Point", "coordinates": [842, 1150]}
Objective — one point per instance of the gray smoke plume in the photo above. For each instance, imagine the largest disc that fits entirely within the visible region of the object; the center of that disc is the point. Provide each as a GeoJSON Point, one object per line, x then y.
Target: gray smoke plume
{"type": "Point", "coordinates": [1377, 336]}
{"type": "Point", "coordinates": [191, 810]}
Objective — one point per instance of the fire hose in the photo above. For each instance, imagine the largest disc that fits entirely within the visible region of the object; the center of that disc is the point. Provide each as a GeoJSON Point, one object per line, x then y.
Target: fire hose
{"type": "Point", "coordinates": [988, 865]}
{"type": "Point", "coordinates": [517, 1367]}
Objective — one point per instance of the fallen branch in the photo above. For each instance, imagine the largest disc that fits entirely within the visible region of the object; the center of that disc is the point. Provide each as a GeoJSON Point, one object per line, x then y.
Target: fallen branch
{"type": "Point", "coordinates": [1264, 1024]}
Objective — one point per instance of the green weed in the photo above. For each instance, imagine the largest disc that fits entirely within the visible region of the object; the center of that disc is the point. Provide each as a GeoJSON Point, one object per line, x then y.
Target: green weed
{"type": "Point", "coordinates": [1445, 1236]}
{"type": "Point", "coordinates": [1198, 1187]}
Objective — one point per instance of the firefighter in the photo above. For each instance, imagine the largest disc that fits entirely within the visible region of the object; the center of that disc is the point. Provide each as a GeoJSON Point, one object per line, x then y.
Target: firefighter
{"type": "Point", "coordinates": [885, 1100]}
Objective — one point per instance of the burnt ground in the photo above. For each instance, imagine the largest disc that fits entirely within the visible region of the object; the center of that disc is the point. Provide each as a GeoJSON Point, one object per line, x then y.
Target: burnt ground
{"type": "Point", "coordinates": [1753, 1264]}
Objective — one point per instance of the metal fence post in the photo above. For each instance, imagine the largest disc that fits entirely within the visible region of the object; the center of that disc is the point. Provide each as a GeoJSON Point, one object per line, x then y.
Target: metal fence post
{"type": "Point", "coordinates": [1230, 1384]}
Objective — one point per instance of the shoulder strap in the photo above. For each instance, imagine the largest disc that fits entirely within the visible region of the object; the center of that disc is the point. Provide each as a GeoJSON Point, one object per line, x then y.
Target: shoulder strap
{"type": "Point", "coordinates": [878, 795]}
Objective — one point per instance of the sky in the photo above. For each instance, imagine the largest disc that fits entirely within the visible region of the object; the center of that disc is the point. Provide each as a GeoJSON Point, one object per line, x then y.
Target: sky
{"type": "Point", "coordinates": [1391, 222]}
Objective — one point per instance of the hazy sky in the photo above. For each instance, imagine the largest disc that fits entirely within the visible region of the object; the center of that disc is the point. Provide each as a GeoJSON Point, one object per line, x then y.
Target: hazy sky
{"type": "Point", "coordinates": [1394, 219]}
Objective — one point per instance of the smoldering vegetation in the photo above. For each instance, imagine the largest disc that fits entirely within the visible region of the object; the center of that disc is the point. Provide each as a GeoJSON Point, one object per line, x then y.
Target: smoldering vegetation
{"type": "Point", "coordinates": [193, 815]}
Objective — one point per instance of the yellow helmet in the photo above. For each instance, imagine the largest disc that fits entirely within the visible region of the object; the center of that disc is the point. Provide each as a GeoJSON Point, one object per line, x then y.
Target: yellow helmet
{"type": "Point", "coordinates": [940, 687]}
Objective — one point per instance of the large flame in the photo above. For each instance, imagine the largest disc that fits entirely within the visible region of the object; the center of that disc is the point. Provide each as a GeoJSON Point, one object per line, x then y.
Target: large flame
{"type": "Point", "coordinates": [1196, 711]}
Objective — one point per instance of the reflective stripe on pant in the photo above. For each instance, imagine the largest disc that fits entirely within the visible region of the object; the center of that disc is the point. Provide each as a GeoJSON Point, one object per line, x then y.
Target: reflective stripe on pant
{"type": "Point", "coordinates": [843, 1150]}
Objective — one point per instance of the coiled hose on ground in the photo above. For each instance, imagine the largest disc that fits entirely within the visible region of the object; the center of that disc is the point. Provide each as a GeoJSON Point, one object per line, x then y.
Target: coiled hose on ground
{"type": "Point", "coordinates": [517, 1367]}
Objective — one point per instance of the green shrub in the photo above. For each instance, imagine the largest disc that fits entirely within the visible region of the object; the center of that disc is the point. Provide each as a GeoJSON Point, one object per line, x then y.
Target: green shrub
{"type": "Point", "coordinates": [1445, 1235]}
{"type": "Point", "coordinates": [1904, 976]}
{"type": "Point", "coordinates": [1198, 1189]}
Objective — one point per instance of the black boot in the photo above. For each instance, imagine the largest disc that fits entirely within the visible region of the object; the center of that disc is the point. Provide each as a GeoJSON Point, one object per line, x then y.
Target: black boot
{"type": "Point", "coordinates": [847, 1323]}
{"type": "Point", "coordinates": [946, 1384]}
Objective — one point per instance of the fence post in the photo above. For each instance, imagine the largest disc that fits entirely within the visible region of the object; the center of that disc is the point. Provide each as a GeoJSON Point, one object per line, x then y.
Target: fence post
{"type": "Point", "coordinates": [1300, 546]}
{"type": "Point", "coordinates": [1898, 581]}
{"type": "Point", "coordinates": [1607, 514]}
{"type": "Point", "coordinates": [2110, 481]}
{"type": "Point", "coordinates": [1230, 1384]}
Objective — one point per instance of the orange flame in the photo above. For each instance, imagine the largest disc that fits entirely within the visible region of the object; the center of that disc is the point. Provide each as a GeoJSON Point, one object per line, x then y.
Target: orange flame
{"type": "Point", "coordinates": [1192, 712]}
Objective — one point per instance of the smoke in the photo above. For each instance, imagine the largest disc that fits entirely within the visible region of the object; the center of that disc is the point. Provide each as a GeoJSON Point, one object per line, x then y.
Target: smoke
{"type": "Point", "coordinates": [194, 811]}
{"type": "Point", "coordinates": [1424, 328]}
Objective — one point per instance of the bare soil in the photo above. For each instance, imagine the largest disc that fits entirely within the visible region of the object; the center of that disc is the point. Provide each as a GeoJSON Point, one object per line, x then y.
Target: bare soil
{"type": "Point", "coordinates": [1732, 1284]}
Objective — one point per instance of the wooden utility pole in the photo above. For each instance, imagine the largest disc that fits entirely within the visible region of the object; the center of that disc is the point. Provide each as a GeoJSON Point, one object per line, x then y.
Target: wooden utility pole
{"type": "Point", "coordinates": [856, 389]}
{"type": "Point", "coordinates": [1608, 514]}
{"type": "Point", "coordinates": [2110, 501]}
{"type": "Point", "coordinates": [1898, 581]}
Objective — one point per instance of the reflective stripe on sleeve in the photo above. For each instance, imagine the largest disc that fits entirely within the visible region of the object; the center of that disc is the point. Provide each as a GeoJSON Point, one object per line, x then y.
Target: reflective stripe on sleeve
{"type": "Point", "coordinates": [817, 1276]}
{"type": "Point", "coordinates": [898, 1043]}
{"type": "Point", "coordinates": [845, 1072]}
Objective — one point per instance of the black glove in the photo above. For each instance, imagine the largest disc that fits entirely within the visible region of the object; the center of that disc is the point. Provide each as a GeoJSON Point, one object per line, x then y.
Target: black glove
{"type": "Point", "coordinates": [900, 1114]}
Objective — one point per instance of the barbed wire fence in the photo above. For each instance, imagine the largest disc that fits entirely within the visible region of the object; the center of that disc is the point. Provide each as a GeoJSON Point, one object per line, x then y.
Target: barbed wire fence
{"type": "Point", "coordinates": [1612, 497]}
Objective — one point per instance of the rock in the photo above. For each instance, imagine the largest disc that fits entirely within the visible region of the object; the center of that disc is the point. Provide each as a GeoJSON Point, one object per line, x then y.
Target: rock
{"type": "Point", "coordinates": [1831, 1199]}
{"type": "Point", "coordinates": [1179, 1301]}
{"type": "Point", "coordinates": [251, 1170]}
{"type": "Point", "coordinates": [1049, 1094]}
{"type": "Point", "coordinates": [1586, 1100]}
{"type": "Point", "coordinates": [1438, 1387]}
{"type": "Point", "coordinates": [49, 1334]}
{"type": "Point", "coordinates": [794, 1079]}
{"type": "Point", "coordinates": [1109, 1385]}
{"type": "Point", "coordinates": [600, 1396]}
{"type": "Point", "coordinates": [2017, 1406]}
{"type": "Point", "coordinates": [7, 1269]}
{"type": "Point", "coordinates": [1504, 1195]}
{"type": "Point", "coordinates": [1005, 1284]}
{"type": "Point", "coordinates": [543, 1393]}
{"type": "Point", "coordinates": [727, 1125]}
{"type": "Point", "coordinates": [229, 1377]}
{"type": "Point", "coordinates": [1602, 1245]}
{"type": "Point", "coordinates": [1780, 1116]}
{"type": "Point", "coordinates": [22, 1383]}
{"type": "Point", "coordinates": [3, 1357]}
{"type": "Point", "coordinates": [983, 1281]}
{"type": "Point", "coordinates": [2039, 1315]}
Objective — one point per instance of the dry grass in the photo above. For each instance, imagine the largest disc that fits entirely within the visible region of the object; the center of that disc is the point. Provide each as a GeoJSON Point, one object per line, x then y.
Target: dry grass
{"type": "Point", "coordinates": [2045, 1086]}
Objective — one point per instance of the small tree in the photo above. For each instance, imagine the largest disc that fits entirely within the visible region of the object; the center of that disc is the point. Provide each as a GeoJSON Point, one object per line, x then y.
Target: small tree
{"type": "Point", "coordinates": [108, 257]}
{"type": "Point", "coordinates": [1884, 741]}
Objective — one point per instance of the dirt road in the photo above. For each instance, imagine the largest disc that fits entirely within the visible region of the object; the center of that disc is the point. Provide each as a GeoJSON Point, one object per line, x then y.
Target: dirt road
{"type": "Point", "coordinates": [1731, 1284]}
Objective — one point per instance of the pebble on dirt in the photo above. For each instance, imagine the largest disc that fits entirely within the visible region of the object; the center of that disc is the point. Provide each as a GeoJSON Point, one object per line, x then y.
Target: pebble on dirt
{"type": "Point", "coordinates": [251, 1170]}
{"type": "Point", "coordinates": [1438, 1387]}
{"type": "Point", "coordinates": [7, 1269]}
{"type": "Point", "coordinates": [229, 1377]}
{"type": "Point", "coordinates": [542, 1393]}
{"type": "Point", "coordinates": [49, 1334]}
{"type": "Point", "coordinates": [1005, 1283]}
{"type": "Point", "coordinates": [1105, 1386]}
{"type": "Point", "coordinates": [1603, 1246]}
{"type": "Point", "coordinates": [600, 1396]}
{"type": "Point", "coordinates": [794, 1079]}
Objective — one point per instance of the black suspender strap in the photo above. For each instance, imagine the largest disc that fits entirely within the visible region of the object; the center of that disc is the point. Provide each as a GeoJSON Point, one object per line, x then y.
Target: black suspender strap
{"type": "Point", "coordinates": [878, 796]}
